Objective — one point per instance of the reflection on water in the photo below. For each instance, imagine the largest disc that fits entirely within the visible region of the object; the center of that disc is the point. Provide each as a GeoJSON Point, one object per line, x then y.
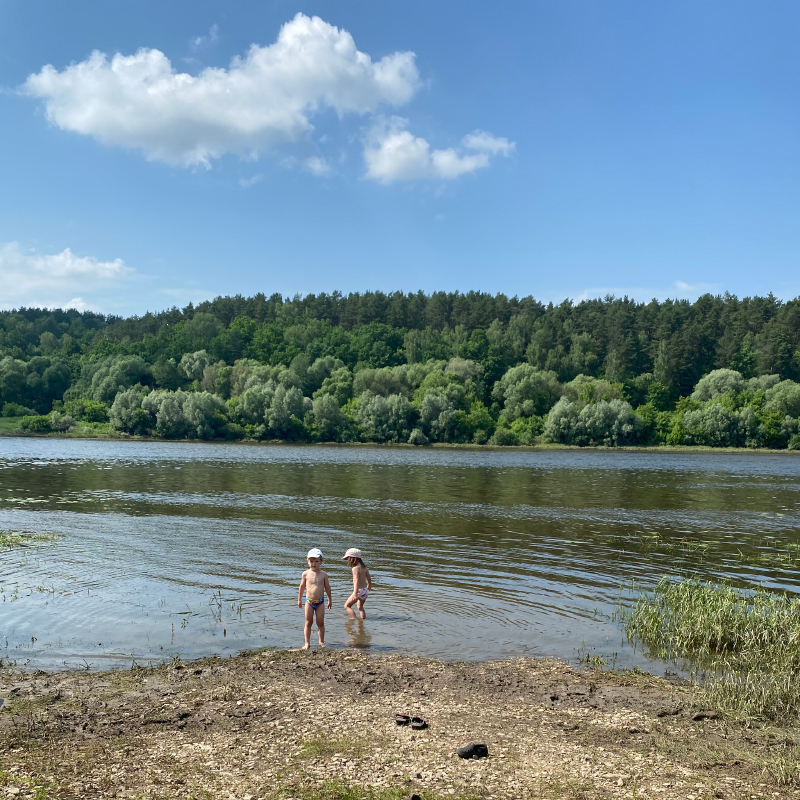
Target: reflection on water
{"type": "Point", "coordinates": [357, 634]}
{"type": "Point", "coordinates": [165, 549]}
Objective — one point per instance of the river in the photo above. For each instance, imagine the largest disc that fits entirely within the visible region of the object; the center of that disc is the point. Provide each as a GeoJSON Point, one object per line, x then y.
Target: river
{"type": "Point", "coordinates": [152, 550]}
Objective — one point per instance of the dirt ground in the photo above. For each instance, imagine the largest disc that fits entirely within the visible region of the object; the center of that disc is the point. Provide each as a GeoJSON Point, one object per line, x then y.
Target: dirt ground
{"type": "Point", "coordinates": [321, 725]}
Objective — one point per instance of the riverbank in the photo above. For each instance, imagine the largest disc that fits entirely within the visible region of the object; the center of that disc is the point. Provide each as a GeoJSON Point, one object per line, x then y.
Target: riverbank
{"type": "Point", "coordinates": [320, 725]}
{"type": "Point", "coordinates": [9, 427]}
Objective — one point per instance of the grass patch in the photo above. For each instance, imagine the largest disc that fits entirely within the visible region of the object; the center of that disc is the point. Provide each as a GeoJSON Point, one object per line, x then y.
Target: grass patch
{"type": "Point", "coordinates": [325, 747]}
{"type": "Point", "coordinates": [743, 646]}
{"type": "Point", "coordinates": [37, 790]}
{"type": "Point", "coordinates": [91, 429]}
{"type": "Point", "coordinates": [783, 768]}
{"type": "Point", "coordinates": [9, 424]}
{"type": "Point", "coordinates": [338, 790]}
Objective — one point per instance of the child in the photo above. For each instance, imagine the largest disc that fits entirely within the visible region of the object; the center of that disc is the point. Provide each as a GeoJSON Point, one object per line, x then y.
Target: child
{"type": "Point", "coordinates": [362, 582]}
{"type": "Point", "coordinates": [314, 582]}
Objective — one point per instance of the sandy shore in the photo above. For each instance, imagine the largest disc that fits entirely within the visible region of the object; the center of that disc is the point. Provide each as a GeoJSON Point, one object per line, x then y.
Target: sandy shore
{"type": "Point", "coordinates": [321, 725]}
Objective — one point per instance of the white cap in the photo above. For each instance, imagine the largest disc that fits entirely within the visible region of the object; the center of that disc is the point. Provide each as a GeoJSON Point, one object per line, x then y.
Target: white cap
{"type": "Point", "coordinates": [353, 552]}
{"type": "Point", "coordinates": [314, 552]}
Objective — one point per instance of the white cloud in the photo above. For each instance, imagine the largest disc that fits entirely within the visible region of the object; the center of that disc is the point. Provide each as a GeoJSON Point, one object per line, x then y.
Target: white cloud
{"type": "Point", "coordinates": [264, 98]}
{"type": "Point", "coordinates": [246, 183]}
{"type": "Point", "coordinates": [202, 41]}
{"type": "Point", "coordinates": [679, 290]}
{"type": "Point", "coordinates": [393, 153]}
{"type": "Point", "coordinates": [315, 165]}
{"type": "Point", "coordinates": [29, 279]}
{"type": "Point", "coordinates": [79, 304]}
{"type": "Point", "coordinates": [318, 166]}
{"type": "Point", "coordinates": [481, 140]}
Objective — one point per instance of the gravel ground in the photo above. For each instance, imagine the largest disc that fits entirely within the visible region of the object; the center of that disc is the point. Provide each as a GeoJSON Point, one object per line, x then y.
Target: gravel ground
{"type": "Point", "coordinates": [321, 725]}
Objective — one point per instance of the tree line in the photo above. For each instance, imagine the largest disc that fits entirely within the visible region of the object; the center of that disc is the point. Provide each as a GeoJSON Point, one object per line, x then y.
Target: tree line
{"type": "Point", "coordinates": [474, 367]}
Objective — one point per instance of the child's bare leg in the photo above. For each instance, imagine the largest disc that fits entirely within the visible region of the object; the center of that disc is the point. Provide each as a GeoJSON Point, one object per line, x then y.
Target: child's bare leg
{"type": "Point", "coordinates": [321, 625]}
{"type": "Point", "coordinates": [307, 628]}
{"type": "Point", "coordinates": [361, 609]}
{"type": "Point", "coordinates": [348, 606]}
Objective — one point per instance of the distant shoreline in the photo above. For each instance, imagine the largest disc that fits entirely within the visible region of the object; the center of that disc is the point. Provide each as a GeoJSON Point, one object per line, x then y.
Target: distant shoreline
{"type": "Point", "coordinates": [544, 447]}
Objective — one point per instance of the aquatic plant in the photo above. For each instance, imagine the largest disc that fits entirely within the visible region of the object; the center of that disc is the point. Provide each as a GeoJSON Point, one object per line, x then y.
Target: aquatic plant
{"type": "Point", "coordinates": [10, 539]}
{"type": "Point", "coordinates": [743, 646]}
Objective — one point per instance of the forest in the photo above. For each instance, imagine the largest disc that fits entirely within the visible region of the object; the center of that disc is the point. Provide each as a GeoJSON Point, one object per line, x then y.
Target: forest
{"type": "Point", "coordinates": [414, 368]}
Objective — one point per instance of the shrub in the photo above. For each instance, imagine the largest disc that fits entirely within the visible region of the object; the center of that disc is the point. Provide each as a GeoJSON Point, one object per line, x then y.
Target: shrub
{"type": "Point", "coordinates": [83, 409]}
{"type": "Point", "coordinates": [61, 422]}
{"type": "Point", "coordinates": [94, 411]}
{"type": "Point", "coordinates": [713, 425]}
{"type": "Point", "coordinates": [167, 409]}
{"type": "Point", "coordinates": [203, 413]}
{"type": "Point", "coordinates": [16, 410]}
{"type": "Point", "coordinates": [127, 415]}
{"type": "Point", "coordinates": [417, 437]}
{"type": "Point", "coordinates": [528, 428]}
{"type": "Point", "coordinates": [438, 415]}
{"type": "Point", "coordinates": [384, 419]}
{"type": "Point", "coordinates": [610, 422]}
{"type": "Point", "coordinates": [330, 423]}
{"type": "Point", "coordinates": [526, 391]}
{"type": "Point", "coordinates": [480, 436]}
{"type": "Point", "coordinates": [562, 422]}
{"type": "Point", "coordinates": [287, 412]}
{"type": "Point", "coordinates": [36, 424]}
{"type": "Point", "coordinates": [504, 437]}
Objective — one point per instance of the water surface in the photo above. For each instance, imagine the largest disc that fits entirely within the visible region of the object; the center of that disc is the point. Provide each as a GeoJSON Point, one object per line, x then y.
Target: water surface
{"type": "Point", "coordinates": [165, 549]}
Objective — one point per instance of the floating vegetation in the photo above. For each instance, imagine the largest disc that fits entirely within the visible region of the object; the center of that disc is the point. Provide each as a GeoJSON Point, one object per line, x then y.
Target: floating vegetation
{"type": "Point", "coordinates": [772, 554]}
{"type": "Point", "coordinates": [656, 543]}
{"type": "Point", "coordinates": [768, 552]}
{"type": "Point", "coordinates": [743, 647]}
{"type": "Point", "coordinates": [9, 539]}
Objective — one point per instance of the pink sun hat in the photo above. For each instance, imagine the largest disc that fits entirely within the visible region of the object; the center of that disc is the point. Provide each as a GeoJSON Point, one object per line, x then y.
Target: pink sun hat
{"type": "Point", "coordinates": [352, 552]}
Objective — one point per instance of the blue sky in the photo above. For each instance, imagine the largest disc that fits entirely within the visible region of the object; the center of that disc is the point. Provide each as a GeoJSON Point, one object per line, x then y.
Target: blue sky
{"type": "Point", "coordinates": [560, 149]}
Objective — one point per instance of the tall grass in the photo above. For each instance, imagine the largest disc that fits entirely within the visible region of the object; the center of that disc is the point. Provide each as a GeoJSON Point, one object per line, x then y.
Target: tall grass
{"type": "Point", "coordinates": [743, 646]}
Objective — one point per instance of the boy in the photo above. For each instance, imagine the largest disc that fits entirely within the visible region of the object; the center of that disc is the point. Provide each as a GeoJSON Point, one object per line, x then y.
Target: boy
{"type": "Point", "coordinates": [314, 582]}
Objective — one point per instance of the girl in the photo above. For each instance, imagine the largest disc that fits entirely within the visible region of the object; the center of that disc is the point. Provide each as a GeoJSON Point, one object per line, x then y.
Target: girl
{"type": "Point", "coordinates": [362, 582]}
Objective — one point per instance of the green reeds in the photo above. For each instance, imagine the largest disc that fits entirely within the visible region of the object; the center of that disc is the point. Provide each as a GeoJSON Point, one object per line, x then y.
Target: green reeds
{"type": "Point", "coordinates": [743, 646]}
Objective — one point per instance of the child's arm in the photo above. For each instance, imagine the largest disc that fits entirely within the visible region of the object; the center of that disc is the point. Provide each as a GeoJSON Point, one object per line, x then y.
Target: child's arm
{"type": "Point", "coordinates": [301, 590]}
{"type": "Point", "coordinates": [369, 581]}
{"type": "Point", "coordinates": [328, 591]}
{"type": "Point", "coordinates": [355, 581]}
